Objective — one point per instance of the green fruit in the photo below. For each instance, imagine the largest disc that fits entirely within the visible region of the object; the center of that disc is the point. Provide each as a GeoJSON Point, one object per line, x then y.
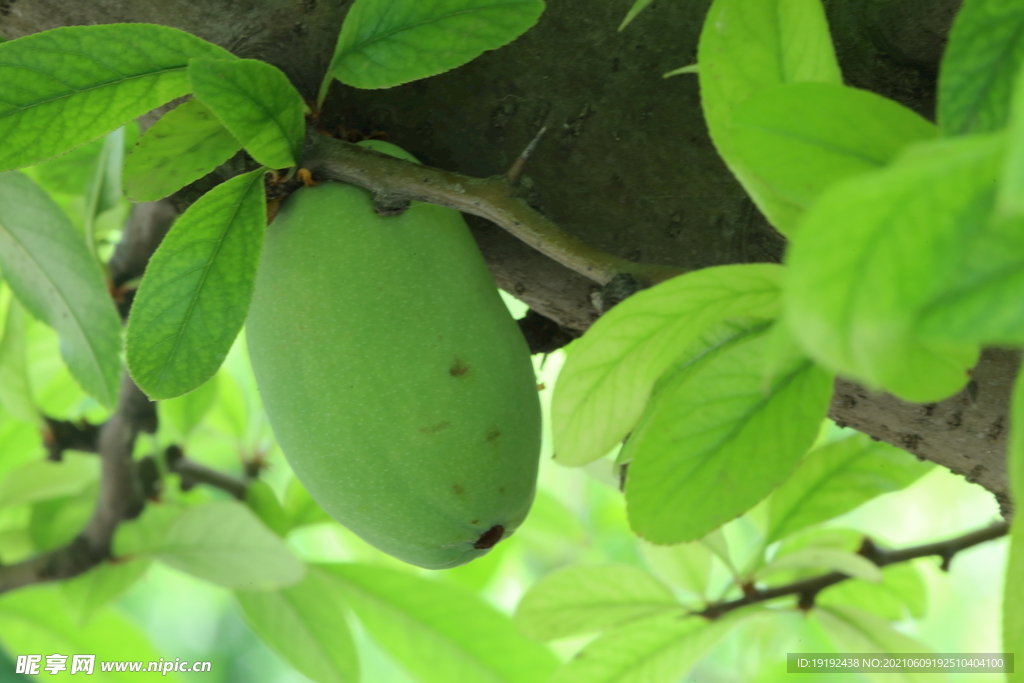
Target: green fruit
{"type": "Point", "coordinates": [397, 383]}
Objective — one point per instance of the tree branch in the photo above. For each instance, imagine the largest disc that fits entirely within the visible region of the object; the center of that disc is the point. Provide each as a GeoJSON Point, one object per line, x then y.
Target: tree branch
{"type": "Point", "coordinates": [192, 473]}
{"type": "Point", "coordinates": [393, 180]}
{"type": "Point", "coordinates": [808, 589]}
{"type": "Point", "coordinates": [120, 498]}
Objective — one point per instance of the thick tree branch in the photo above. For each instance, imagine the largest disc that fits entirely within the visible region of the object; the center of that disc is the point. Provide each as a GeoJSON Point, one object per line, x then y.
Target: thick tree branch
{"type": "Point", "coordinates": [392, 180]}
{"type": "Point", "coordinates": [808, 589]}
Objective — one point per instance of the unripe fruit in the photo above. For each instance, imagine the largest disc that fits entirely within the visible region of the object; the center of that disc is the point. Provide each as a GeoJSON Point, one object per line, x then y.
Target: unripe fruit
{"type": "Point", "coordinates": [397, 383]}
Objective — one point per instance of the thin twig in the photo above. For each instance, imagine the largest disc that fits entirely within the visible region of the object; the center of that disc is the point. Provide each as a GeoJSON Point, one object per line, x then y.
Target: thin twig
{"type": "Point", "coordinates": [490, 198]}
{"type": "Point", "coordinates": [512, 177]}
{"type": "Point", "coordinates": [192, 473]}
{"type": "Point", "coordinates": [808, 589]}
{"type": "Point", "coordinates": [120, 498]}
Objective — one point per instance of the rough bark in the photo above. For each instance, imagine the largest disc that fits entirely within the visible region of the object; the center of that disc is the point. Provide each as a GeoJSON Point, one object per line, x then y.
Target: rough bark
{"type": "Point", "coordinates": [627, 164]}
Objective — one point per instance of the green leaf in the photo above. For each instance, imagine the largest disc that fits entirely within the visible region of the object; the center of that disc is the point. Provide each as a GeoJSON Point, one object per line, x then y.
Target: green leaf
{"type": "Point", "coordinates": [980, 303]}
{"type": "Point", "coordinates": [72, 173]}
{"type": "Point", "coordinates": [306, 625]}
{"type": "Point", "coordinates": [1013, 589]}
{"type": "Point", "coordinates": [262, 500]}
{"type": "Point", "coordinates": [256, 102]}
{"type": "Point", "coordinates": [148, 530]}
{"type": "Point", "coordinates": [582, 599]}
{"type": "Point", "coordinates": [836, 478]}
{"type": "Point", "coordinates": [71, 85]}
{"type": "Point", "coordinates": [823, 560]}
{"type": "Point", "coordinates": [384, 43]}
{"type": "Point", "coordinates": [688, 69]}
{"type": "Point", "coordinates": [45, 479]}
{"type": "Point", "coordinates": [36, 620]}
{"type": "Point", "coordinates": [89, 593]}
{"type": "Point", "coordinates": [748, 47]}
{"type": "Point", "coordinates": [799, 138]}
{"type": "Point", "coordinates": [15, 392]}
{"type": "Point", "coordinates": [51, 271]}
{"type": "Point", "coordinates": [197, 288]}
{"type": "Point", "coordinates": [716, 439]}
{"type": "Point", "coordinates": [855, 630]}
{"type": "Point", "coordinates": [982, 58]}
{"type": "Point", "coordinates": [56, 521]}
{"type": "Point", "coordinates": [684, 565]}
{"type": "Point", "coordinates": [901, 587]}
{"type": "Point", "coordinates": [875, 251]}
{"type": "Point", "coordinates": [440, 632]}
{"type": "Point", "coordinates": [184, 413]}
{"type": "Point", "coordinates": [1010, 201]}
{"type": "Point", "coordinates": [657, 650]}
{"type": "Point", "coordinates": [104, 190]}
{"type": "Point", "coordinates": [184, 145]}
{"type": "Point", "coordinates": [221, 542]}
{"type": "Point", "coordinates": [609, 372]}
{"type": "Point", "coordinates": [300, 507]}
{"type": "Point", "coordinates": [638, 6]}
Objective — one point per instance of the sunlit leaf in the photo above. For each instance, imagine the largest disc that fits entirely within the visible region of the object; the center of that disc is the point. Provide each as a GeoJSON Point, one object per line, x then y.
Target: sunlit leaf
{"type": "Point", "coordinates": [71, 85]}
{"type": "Point", "coordinates": [256, 102]}
{"type": "Point", "coordinates": [89, 593]}
{"type": "Point", "coordinates": [221, 542]}
{"type": "Point", "coordinates": [36, 620]}
{"type": "Point", "coordinates": [684, 565]}
{"type": "Point", "coordinates": [300, 507]}
{"type": "Point", "coordinates": [306, 625]}
{"type": "Point", "coordinates": [45, 479]}
{"type": "Point", "coordinates": [1010, 201]}
{"type": "Point", "coordinates": [184, 413]}
{"type": "Point", "coordinates": [197, 288]}
{"type": "Point", "coordinates": [72, 173]}
{"type": "Point", "coordinates": [979, 65]}
{"type": "Point", "coordinates": [439, 632]}
{"type": "Point", "coordinates": [901, 590]}
{"type": "Point", "coordinates": [746, 47]}
{"type": "Point", "coordinates": [716, 439]}
{"type": "Point", "coordinates": [1013, 589]}
{"type": "Point", "coordinates": [15, 392]}
{"type": "Point", "coordinates": [384, 43]}
{"type": "Point", "coordinates": [104, 189]}
{"type": "Point", "coordinates": [49, 268]}
{"type": "Point", "coordinates": [855, 630]}
{"type": "Point", "coordinates": [875, 251]}
{"type": "Point", "coordinates": [584, 599]}
{"type": "Point", "coordinates": [56, 521]}
{"type": "Point", "coordinates": [262, 500]}
{"type": "Point", "coordinates": [825, 560]}
{"type": "Point", "coordinates": [184, 145]}
{"type": "Point", "coordinates": [657, 650]}
{"type": "Point", "coordinates": [836, 478]}
{"type": "Point", "coordinates": [799, 138]}
{"type": "Point", "coordinates": [609, 373]}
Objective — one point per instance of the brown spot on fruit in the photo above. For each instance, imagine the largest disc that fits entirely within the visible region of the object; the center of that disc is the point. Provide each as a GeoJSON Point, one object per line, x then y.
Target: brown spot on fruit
{"type": "Point", "coordinates": [434, 429]}
{"type": "Point", "coordinates": [490, 537]}
{"type": "Point", "coordinates": [457, 489]}
{"type": "Point", "coordinates": [501, 489]}
{"type": "Point", "coordinates": [475, 521]}
{"type": "Point", "coordinates": [492, 434]}
{"type": "Point", "coordinates": [459, 368]}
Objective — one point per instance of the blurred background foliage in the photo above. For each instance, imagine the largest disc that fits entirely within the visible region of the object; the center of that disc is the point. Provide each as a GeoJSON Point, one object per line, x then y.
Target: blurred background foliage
{"type": "Point", "coordinates": [578, 518]}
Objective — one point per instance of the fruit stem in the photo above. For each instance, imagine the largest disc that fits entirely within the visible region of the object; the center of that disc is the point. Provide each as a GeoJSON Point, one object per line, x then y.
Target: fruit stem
{"type": "Point", "coordinates": [491, 198]}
